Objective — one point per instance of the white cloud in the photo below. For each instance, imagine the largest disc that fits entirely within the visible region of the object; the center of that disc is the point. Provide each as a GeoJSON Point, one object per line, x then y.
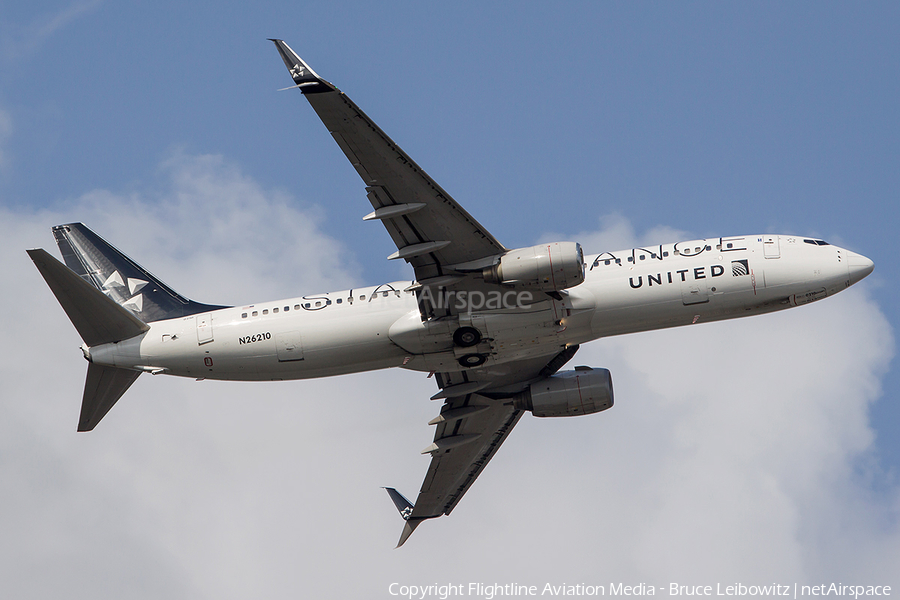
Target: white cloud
{"type": "Point", "coordinates": [206, 210]}
{"type": "Point", "coordinates": [26, 39]}
{"type": "Point", "coordinates": [736, 451]}
{"type": "Point", "coordinates": [617, 233]}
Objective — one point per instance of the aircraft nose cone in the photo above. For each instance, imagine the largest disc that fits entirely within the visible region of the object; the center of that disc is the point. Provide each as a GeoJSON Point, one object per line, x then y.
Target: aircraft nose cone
{"type": "Point", "coordinates": [859, 266]}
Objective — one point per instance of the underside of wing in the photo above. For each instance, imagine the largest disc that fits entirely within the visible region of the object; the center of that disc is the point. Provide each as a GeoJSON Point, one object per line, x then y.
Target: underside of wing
{"type": "Point", "coordinates": [479, 412]}
{"type": "Point", "coordinates": [431, 231]}
{"type": "Point", "coordinates": [454, 257]}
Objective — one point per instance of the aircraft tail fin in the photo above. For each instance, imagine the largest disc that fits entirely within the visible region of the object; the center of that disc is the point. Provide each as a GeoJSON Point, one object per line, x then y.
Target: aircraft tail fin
{"type": "Point", "coordinates": [98, 319]}
{"type": "Point", "coordinates": [102, 389]}
{"type": "Point", "coordinates": [109, 270]}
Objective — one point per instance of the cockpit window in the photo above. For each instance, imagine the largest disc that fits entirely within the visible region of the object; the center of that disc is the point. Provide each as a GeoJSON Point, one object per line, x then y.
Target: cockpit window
{"type": "Point", "coordinates": [816, 242]}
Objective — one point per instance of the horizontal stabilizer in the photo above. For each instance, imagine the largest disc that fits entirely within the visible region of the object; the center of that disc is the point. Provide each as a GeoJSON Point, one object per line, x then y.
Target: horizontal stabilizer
{"type": "Point", "coordinates": [102, 389]}
{"type": "Point", "coordinates": [98, 318]}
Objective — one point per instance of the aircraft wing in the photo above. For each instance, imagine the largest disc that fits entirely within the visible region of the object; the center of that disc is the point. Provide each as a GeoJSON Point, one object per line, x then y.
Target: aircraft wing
{"type": "Point", "coordinates": [469, 432]}
{"type": "Point", "coordinates": [447, 249]}
{"type": "Point", "coordinates": [432, 232]}
{"type": "Point", "coordinates": [477, 416]}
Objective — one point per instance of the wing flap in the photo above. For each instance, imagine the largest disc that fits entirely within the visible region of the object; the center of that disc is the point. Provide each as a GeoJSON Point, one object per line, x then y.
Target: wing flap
{"type": "Point", "coordinates": [453, 469]}
{"type": "Point", "coordinates": [479, 413]}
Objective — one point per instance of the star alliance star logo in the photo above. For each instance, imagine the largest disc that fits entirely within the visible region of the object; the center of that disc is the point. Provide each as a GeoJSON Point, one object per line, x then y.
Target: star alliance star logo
{"type": "Point", "coordinates": [131, 299]}
{"type": "Point", "coordinates": [298, 71]}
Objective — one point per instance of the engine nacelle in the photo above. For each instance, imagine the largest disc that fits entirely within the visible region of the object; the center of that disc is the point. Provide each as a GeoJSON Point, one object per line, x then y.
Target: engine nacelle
{"type": "Point", "coordinates": [544, 268]}
{"type": "Point", "coordinates": [571, 393]}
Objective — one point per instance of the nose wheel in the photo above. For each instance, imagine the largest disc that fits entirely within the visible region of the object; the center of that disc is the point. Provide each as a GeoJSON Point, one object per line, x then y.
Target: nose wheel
{"type": "Point", "coordinates": [472, 360]}
{"type": "Point", "coordinates": [465, 337]}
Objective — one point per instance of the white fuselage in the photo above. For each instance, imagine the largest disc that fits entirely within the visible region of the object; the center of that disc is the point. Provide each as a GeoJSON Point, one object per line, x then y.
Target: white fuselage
{"type": "Point", "coordinates": [378, 327]}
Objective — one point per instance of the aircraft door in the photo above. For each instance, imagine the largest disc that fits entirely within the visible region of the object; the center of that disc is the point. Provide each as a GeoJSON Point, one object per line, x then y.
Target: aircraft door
{"type": "Point", "coordinates": [288, 346]}
{"type": "Point", "coordinates": [771, 246]}
{"type": "Point", "coordinates": [204, 329]}
{"type": "Point", "coordinates": [694, 291]}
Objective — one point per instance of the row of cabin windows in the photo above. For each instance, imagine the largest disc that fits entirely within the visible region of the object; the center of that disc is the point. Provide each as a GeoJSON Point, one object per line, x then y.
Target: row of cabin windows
{"type": "Point", "coordinates": [318, 304]}
{"type": "Point", "coordinates": [697, 250]}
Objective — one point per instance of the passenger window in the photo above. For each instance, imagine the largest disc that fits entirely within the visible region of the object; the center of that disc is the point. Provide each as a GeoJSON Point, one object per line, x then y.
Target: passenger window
{"type": "Point", "coordinates": [363, 297]}
{"type": "Point", "coordinates": [275, 310]}
{"type": "Point", "coordinates": [318, 303]}
{"type": "Point", "coordinates": [306, 305]}
{"type": "Point", "coordinates": [243, 315]}
{"type": "Point", "coordinates": [266, 311]}
{"type": "Point", "coordinates": [338, 300]}
{"type": "Point", "coordinates": [296, 307]}
{"type": "Point", "coordinates": [287, 308]}
{"type": "Point", "coordinates": [255, 313]}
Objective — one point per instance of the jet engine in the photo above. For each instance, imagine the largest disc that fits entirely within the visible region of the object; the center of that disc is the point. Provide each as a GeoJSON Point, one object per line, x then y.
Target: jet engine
{"type": "Point", "coordinates": [580, 392]}
{"type": "Point", "coordinates": [543, 268]}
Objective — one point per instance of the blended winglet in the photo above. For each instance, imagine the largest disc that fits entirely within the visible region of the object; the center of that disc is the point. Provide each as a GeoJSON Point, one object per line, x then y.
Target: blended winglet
{"type": "Point", "coordinates": [304, 77]}
{"type": "Point", "coordinates": [405, 508]}
{"type": "Point", "coordinates": [408, 529]}
{"type": "Point", "coordinates": [403, 505]}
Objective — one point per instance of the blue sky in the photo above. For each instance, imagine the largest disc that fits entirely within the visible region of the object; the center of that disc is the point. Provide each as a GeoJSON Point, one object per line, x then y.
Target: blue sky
{"type": "Point", "coordinates": [608, 122]}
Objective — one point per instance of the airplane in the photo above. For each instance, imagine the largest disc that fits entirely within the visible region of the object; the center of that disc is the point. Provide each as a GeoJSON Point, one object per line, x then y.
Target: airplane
{"type": "Point", "coordinates": [493, 325]}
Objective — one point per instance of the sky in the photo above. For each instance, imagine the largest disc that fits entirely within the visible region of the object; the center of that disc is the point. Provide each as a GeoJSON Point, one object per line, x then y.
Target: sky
{"type": "Point", "coordinates": [756, 451]}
